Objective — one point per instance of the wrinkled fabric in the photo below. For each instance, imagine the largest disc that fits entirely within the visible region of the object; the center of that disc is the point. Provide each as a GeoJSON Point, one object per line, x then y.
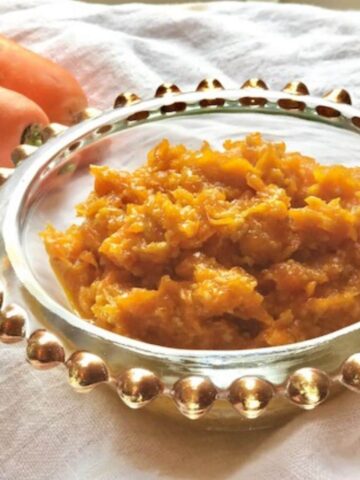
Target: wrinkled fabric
{"type": "Point", "coordinates": [48, 432]}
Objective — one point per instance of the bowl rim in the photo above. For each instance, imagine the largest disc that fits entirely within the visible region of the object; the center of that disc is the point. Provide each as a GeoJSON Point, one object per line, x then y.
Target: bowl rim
{"type": "Point", "coordinates": [25, 174]}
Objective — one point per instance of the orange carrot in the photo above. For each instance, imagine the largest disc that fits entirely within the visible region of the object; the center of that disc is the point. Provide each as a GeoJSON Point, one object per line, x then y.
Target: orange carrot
{"type": "Point", "coordinates": [49, 85]}
{"type": "Point", "coordinates": [17, 113]}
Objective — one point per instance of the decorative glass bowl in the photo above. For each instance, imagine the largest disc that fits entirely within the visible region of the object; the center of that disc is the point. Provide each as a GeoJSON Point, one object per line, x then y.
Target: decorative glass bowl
{"type": "Point", "coordinates": [222, 389]}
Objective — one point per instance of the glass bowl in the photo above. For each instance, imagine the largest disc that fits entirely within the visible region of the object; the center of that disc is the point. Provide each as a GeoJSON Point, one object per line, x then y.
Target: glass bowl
{"type": "Point", "coordinates": [242, 389]}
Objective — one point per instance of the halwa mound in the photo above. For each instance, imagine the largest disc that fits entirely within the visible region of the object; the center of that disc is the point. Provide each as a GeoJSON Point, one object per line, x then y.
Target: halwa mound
{"type": "Point", "coordinates": [247, 247]}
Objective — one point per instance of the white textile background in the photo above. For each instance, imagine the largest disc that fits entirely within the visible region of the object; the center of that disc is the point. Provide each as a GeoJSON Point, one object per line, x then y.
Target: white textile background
{"type": "Point", "coordinates": [48, 432]}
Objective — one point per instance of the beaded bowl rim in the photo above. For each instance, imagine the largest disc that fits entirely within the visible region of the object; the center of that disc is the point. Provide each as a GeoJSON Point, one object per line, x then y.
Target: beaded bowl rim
{"type": "Point", "coordinates": [215, 99]}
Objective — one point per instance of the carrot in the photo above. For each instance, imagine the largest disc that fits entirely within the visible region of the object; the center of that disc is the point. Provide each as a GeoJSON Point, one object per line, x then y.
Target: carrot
{"type": "Point", "coordinates": [49, 85]}
{"type": "Point", "coordinates": [17, 113]}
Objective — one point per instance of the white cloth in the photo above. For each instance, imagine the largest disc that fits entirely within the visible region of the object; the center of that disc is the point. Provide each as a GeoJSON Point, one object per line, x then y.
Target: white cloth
{"type": "Point", "coordinates": [50, 433]}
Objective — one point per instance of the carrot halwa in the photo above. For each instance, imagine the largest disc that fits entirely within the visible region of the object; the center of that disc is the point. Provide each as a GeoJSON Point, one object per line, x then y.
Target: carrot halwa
{"type": "Point", "coordinates": [251, 246]}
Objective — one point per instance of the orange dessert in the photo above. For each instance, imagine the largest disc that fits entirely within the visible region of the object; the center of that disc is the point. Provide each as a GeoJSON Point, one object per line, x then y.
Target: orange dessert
{"type": "Point", "coordinates": [247, 247]}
